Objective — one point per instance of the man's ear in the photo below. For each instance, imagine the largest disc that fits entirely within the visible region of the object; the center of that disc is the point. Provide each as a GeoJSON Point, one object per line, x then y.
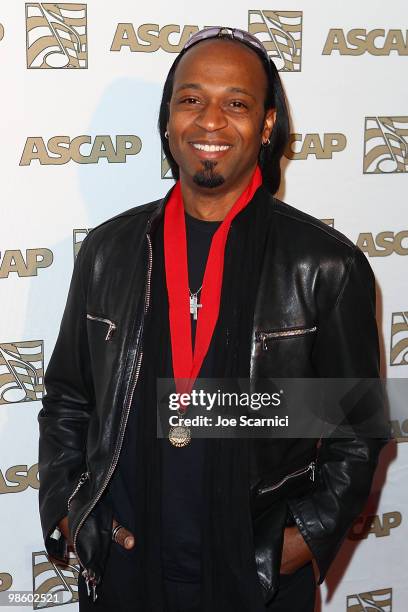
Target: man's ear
{"type": "Point", "coordinates": [268, 123]}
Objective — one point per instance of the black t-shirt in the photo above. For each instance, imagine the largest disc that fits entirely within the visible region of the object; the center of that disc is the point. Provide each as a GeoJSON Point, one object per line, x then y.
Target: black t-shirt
{"type": "Point", "coordinates": [182, 468]}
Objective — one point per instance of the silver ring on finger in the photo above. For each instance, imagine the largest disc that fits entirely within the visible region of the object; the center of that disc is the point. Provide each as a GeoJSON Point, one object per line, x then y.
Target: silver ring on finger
{"type": "Point", "coordinates": [115, 531]}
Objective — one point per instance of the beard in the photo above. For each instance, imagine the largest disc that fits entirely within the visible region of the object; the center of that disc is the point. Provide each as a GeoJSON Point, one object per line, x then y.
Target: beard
{"type": "Point", "coordinates": [207, 177]}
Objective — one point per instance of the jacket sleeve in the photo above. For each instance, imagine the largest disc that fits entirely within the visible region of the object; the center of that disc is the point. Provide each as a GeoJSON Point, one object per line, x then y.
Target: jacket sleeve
{"type": "Point", "coordinates": [63, 419]}
{"type": "Point", "coordinates": [346, 346]}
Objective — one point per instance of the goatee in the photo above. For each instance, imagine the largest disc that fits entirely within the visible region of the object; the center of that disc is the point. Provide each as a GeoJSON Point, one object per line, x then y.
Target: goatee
{"type": "Point", "coordinates": [207, 177]}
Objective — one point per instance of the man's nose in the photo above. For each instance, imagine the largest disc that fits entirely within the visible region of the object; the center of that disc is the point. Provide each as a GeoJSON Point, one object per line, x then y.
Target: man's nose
{"type": "Point", "coordinates": [212, 118]}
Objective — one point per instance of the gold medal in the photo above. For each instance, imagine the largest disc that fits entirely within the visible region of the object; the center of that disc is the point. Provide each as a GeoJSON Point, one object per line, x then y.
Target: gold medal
{"type": "Point", "coordinates": [179, 435]}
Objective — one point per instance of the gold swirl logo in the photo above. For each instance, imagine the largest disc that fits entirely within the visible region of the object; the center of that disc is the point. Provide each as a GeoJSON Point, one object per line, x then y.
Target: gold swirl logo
{"type": "Point", "coordinates": [51, 578]}
{"type": "Point", "coordinates": [379, 600]}
{"type": "Point", "coordinates": [281, 34]}
{"type": "Point", "coordinates": [399, 339]}
{"type": "Point", "coordinates": [385, 145]}
{"type": "Point", "coordinates": [21, 371]}
{"type": "Point", "coordinates": [56, 35]}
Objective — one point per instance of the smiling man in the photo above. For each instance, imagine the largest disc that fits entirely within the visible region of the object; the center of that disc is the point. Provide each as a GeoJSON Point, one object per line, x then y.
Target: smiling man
{"type": "Point", "coordinates": [219, 116]}
{"type": "Point", "coordinates": [218, 279]}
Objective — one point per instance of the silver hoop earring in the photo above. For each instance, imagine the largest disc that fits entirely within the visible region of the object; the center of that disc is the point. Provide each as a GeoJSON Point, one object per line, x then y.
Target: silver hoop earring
{"type": "Point", "coordinates": [266, 143]}
{"type": "Point", "coordinates": [166, 134]}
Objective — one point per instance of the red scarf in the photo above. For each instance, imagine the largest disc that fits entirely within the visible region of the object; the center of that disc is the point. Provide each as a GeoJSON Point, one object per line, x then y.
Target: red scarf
{"type": "Point", "coordinates": [186, 364]}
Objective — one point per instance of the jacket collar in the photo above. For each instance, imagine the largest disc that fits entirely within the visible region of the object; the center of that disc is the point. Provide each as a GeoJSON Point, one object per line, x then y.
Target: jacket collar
{"type": "Point", "coordinates": [158, 213]}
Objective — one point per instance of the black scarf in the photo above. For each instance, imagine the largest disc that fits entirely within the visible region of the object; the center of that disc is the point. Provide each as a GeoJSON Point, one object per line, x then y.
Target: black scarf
{"type": "Point", "coordinates": [229, 579]}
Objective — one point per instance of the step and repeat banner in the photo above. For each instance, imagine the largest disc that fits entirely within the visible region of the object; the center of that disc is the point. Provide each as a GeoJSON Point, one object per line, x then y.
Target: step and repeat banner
{"type": "Point", "coordinates": [80, 91]}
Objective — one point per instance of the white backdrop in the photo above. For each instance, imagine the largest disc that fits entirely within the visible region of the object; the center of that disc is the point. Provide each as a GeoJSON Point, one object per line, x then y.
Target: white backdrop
{"type": "Point", "coordinates": [62, 79]}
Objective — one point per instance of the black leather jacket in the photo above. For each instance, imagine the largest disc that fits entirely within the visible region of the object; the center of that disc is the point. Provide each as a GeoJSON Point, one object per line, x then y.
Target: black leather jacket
{"type": "Point", "coordinates": [314, 317]}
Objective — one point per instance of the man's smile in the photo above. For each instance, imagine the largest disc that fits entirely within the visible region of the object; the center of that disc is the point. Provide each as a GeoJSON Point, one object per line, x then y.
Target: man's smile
{"type": "Point", "coordinates": [210, 150]}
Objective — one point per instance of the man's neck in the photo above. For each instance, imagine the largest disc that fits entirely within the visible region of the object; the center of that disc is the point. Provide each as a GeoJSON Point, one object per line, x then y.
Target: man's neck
{"type": "Point", "coordinates": [211, 204]}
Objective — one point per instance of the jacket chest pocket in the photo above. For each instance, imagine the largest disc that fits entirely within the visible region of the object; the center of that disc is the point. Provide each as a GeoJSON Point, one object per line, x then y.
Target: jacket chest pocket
{"type": "Point", "coordinates": [283, 353]}
{"type": "Point", "coordinates": [106, 324]}
{"type": "Point", "coordinates": [266, 337]}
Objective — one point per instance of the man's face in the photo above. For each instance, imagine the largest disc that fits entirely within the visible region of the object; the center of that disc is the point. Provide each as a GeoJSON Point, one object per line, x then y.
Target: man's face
{"type": "Point", "coordinates": [217, 119]}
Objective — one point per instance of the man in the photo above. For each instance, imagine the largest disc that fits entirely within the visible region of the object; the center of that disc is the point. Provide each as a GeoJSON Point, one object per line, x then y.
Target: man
{"type": "Point", "coordinates": [218, 279]}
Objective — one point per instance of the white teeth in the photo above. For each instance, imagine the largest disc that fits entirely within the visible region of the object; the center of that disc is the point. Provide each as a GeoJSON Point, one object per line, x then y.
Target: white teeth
{"type": "Point", "coordinates": [210, 148]}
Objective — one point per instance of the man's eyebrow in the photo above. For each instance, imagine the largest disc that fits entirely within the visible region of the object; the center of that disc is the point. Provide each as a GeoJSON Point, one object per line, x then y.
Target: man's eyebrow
{"type": "Point", "coordinates": [189, 86]}
{"type": "Point", "coordinates": [241, 90]}
{"type": "Point", "coordinates": [229, 89]}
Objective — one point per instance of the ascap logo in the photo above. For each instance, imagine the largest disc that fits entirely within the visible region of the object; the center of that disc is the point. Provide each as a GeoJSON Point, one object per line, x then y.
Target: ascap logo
{"type": "Point", "coordinates": [329, 222]}
{"type": "Point", "coordinates": [281, 34]}
{"type": "Point", "coordinates": [1, 38]}
{"type": "Point", "coordinates": [379, 600]}
{"type": "Point", "coordinates": [150, 37]}
{"type": "Point", "coordinates": [21, 477]}
{"type": "Point", "coordinates": [6, 580]}
{"type": "Point", "coordinates": [50, 578]}
{"type": "Point", "coordinates": [280, 31]}
{"type": "Point", "coordinates": [302, 145]}
{"type": "Point", "coordinates": [385, 145]}
{"type": "Point", "coordinates": [21, 371]}
{"type": "Point", "coordinates": [399, 430]}
{"type": "Point", "coordinates": [64, 149]}
{"type": "Point", "coordinates": [359, 41]}
{"type": "Point", "coordinates": [375, 524]}
{"type": "Point", "coordinates": [56, 35]}
{"type": "Point", "coordinates": [384, 243]}
{"type": "Point", "coordinates": [78, 237]}
{"type": "Point", "coordinates": [399, 339]}
{"type": "Point", "coordinates": [14, 261]}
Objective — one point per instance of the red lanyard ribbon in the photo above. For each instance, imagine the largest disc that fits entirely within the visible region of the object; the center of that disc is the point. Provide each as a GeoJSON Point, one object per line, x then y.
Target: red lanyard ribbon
{"type": "Point", "coordinates": [186, 364]}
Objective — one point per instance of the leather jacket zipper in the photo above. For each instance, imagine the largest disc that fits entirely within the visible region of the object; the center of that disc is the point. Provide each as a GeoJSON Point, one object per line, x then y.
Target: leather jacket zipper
{"type": "Point", "coordinates": [111, 328]}
{"type": "Point", "coordinates": [91, 579]}
{"type": "Point", "coordinates": [310, 467]}
{"type": "Point", "coordinates": [263, 336]}
{"type": "Point", "coordinates": [83, 478]}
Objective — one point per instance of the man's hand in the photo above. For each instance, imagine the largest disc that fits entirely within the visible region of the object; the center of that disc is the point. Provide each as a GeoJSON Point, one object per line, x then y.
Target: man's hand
{"type": "Point", "coordinates": [63, 526]}
{"type": "Point", "coordinates": [296, 552]}
{"type": "Point", "coordinates": [123, 537]}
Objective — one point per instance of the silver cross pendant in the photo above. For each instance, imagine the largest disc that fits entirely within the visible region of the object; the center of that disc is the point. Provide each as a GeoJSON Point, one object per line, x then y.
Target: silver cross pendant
{"type": "Point", "coordinates": [194, 306]}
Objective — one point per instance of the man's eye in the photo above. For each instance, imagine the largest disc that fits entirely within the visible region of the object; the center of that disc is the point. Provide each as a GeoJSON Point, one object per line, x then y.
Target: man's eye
{"type": "Point", "coordinates": [238, 104]}
{"type": "Point", "coordinates": [189, 100]}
